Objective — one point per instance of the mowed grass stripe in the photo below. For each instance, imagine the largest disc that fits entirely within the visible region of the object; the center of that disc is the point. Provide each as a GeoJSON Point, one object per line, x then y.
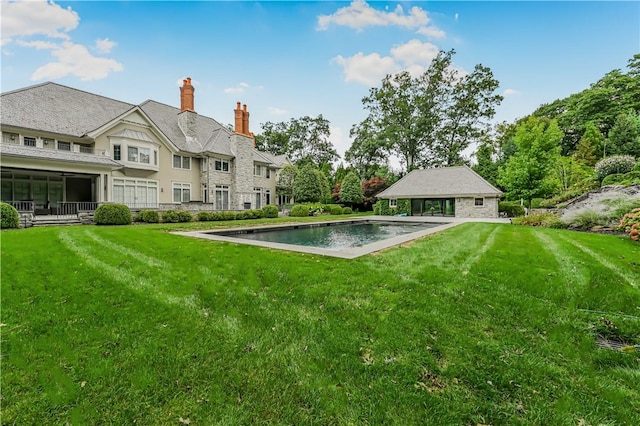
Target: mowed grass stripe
{"type": "Point", "coordinates": [477, 254]}
{"type": "Point", "coordinates": [630, 279]}
{"type": "Point", "coordinates": [573, 276]}
{"type": "Point", "coordinates": [122, 276]}
{"type": "Point", "coordinates": [133, 254]}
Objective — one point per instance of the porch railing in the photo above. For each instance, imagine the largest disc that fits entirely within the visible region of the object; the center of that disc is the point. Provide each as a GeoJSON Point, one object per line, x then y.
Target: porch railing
{"type": "Point", "coordinates": [74, 207]}
{"type": "Point", "coordinates": [22, 206]}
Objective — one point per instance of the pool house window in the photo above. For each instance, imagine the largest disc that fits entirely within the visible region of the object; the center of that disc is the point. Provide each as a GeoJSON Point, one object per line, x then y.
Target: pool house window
{"type": "Point", "coordinates": [393, 203]}
{"type": "Point", "coordinates": [478, 202]}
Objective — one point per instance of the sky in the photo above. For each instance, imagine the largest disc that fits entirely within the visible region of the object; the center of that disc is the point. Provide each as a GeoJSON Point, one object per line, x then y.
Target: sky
{"type": "Point", "coordinates": [287, 59]}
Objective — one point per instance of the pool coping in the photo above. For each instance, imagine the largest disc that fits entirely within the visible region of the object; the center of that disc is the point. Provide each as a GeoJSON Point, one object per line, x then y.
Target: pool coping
{"type": "Point", "coordinates": [350, 253]}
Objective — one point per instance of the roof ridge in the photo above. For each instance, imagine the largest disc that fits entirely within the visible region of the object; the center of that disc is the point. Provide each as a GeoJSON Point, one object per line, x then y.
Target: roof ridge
{"type": "Point", "coordinates": [46, 83]}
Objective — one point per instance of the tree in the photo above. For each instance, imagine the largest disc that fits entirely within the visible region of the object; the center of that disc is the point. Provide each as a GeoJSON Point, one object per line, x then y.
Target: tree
{"type": "Point", "coordinates": [372, 187]}
{"type": "Point", "coordinates": [591, 143]}
{"type": "Point", "coordinates": [614, 94]}
{"type": "Point", "coordinates": [304, 139]}
{"type": "Point", "coordinates": [427, 120]}
{"type": "Point", "coordinates": [527, 173]}
{"type": "Point", "coordinates": [568, 171]}
{"type": "Point", "coordinates": [286, 179]}
{"type": "Point", "coordinates": [306, 187]}
{"type": "Point", "coordinates": [324, 185]}
{"type": "Point", "coordinates": [486, 166]}
{"type": "Point", "coordinates": [624, 136]}
{"type": "Point", "coordinates": [351, 189]}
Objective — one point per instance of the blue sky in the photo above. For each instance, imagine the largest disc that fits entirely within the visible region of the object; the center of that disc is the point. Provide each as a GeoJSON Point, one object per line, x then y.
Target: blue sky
{"type": "Point", "coordinates": [288, 59]}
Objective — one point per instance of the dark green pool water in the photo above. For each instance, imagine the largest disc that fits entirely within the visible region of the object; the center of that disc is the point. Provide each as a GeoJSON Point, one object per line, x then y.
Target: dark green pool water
{"type": "Point", "coordinates": [337, 237]}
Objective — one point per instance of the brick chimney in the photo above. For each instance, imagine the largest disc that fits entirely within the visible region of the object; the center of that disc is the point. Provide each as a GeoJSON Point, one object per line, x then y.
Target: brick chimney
{"type": "Point", "coordinates": [245, 120]}
{"type": "Point", "coordinates": [186, 95]}
{"type": "Point", "coordinates": [238, 119]}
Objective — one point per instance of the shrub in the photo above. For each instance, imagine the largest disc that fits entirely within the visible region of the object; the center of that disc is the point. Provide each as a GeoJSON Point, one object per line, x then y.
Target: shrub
{"type": "Point", "coordinates": [613, 179]}
{"type": "Point", "coordinates": [381, 207]}
{"type": "Point", "coordinates": [614, 164]}
{"type": "Point", "coordinates": [112, 214]}
{"type": "Point", "coordinates": [511, 208]}
{"type": "Point", "coordinates": [184, 216]}
{"type": "Point", "coordinates": [631, 178]}
{"type": "Point", "coordinates": [149, 216]}
{"type": "Point", "coordinates": [170, 216]}
{"type": "Point", "coordinates": [270, 211]}
{"type": "Point", "coordinates": [336, 210]}
{"type": "Point", "coordinates": [347, 210]}
{"type": "Point", "coordinates": [587, 219]}
{"type": "Point", "coordinates": [205, 216]}
{"type": "Point", "coordinates": [630, 223]}
{"type": "Point", "coordinates": [299, 211]}
{"type": "Point", "coordinates": [543, 219]}
{"type": "Point", "coordinates": [10, 217]}
{"type": "Point", "coordinates": [249, 214]}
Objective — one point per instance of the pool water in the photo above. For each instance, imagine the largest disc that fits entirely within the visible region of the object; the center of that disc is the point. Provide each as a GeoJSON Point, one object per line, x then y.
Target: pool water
{"type": "Point", "coordinates": [336, 236]}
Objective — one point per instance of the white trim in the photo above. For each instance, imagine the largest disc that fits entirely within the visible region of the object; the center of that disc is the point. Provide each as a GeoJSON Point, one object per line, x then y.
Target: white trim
{"type": "Point", "coordinates": [478, 205]}
{"type": "Point", "coordinates": [393, 203]}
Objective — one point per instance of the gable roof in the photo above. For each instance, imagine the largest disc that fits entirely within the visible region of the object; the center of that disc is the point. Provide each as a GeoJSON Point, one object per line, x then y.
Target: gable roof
{"type": "Point", "coordinates": [439, 183]}
{"type": "Point", "coordinates": [54, 108]}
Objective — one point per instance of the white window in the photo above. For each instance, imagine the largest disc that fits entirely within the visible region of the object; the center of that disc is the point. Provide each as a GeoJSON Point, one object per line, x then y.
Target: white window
{"type": "Point", "coordinates": [180, 162]}
{"type": "Point", "coordinates": [268, 175]}
{"type": "Point", "coordinates": [10, 138]}
{"type": "Point", "coordinates": [393, 203]}
{"type": "Point", "coordinates": [117, 153]}
{"type": "Point", "coordinates": [257, 170]}
{"type": "Point", "coordinates": [29, 141]}
{"type": "Point", "coordinates": [221, 165]}
{"type": "Point", "coordinates": [48, 143]}
{"type": "Point", "coordinates": [155, 157]}
{"type": "Point", "coordinates": [478, 202]}
{"type": "Point", "coordinates": [222, 197]}
{"type": "Point", "coordinates": [132, 154]}
{"type": "Point", "coordinates": [136, 192]}
{"type": "Point", "coordinates": [181, 192]}
{"type": "Point", "coordinates": [144, 155]}
{"type": "Point", "coordinates": [258, 198]}
{"type": "Point", "coordinates": [64, 146]}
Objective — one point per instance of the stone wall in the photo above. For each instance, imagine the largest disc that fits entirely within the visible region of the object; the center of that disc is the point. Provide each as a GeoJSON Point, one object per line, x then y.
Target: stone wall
{"type": "Point", "coordinates": [26, 219]}
{"type": "Point", "coordinates": [465, 207]}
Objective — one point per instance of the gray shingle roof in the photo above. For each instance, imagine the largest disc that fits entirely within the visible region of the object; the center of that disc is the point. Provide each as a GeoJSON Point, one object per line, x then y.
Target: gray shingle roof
{"type": "Point", "coordinates": [211, 135]}
{"type": "Point", "coordinates": [440, 182]}
{"type": "Point", "coordinates": [51, 107]}
{"type": "Point", "coordinates": [51, 154]}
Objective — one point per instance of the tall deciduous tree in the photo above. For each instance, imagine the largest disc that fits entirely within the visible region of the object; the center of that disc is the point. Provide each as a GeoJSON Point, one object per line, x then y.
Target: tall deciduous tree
{"type": "Point", "coordinates": [426, 120]}
{"type": "Point", "coordinates": [486, 166]}
{"type": "Point", "coordinates": [304, 139]}
{"type": "Point", "coordinates": [286, 178]}
{"type": "Point", "coordinates": [351, 189]}
{"type": "Point", "coordinates": [527, 174]}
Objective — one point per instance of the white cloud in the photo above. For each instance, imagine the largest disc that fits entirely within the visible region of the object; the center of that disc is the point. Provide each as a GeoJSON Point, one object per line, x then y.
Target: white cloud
{"type": "Point", "coordinates": [75, 59]}
{"type": "Point", "coordinates": [37, 17]}
{"type": "Point", "coordinates": [359, 15]}
{"type": "Point", "coordinates": [38, 44]}
{"type": "Point", "coordinates": [42, 21]}
{"type": "Point", "coordinates": [456, 16]}
{"type": "Point", "coordinates": [367, 69]}
{"type": "Point", "coordinates": [431, 31]}
{"type": "Point", "coordinates": [510, 92]}
{"type": "Point", "coordinates": [104, 45]}
{"type": "Point", "coordinates": [277, 111]}
{"type": "Point", "coordinates": [413, 56]}
{"type": "Point", "coordinates": [241, 88]}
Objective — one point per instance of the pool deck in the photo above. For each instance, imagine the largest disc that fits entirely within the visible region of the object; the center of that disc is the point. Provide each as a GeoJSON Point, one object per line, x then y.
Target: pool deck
{"type": "Point", "coordinates": [351, 253]}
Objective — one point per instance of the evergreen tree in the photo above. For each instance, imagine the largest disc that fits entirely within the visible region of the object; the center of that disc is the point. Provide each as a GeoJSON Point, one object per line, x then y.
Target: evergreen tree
{"type": "Point", "coordinates": [591, 143]}
{"type": "Point", "coordinates": [351, 189]}
{"type": "Point", "coordinates": [307, 187]}
{"type": "Point", "coordinates": [624, 136]}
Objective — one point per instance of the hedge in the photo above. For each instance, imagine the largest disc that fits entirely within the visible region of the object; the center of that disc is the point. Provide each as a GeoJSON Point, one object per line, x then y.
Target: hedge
{"type": "Point", "coordinates": [299, 211]}
{"type": "Point", "coordinates": [10, 217]}
{"type": "Point", "coordinates": [336, 210]}
{"type": "Point", "coordinates": [112, 214]}
{"type": "Point", "coordinates": [149, 216]}
{"type": "Point", "coordinates": [347, 210]}
{"type": "Point", "coordinates": [511, 208]}
{"type": "Point", "coordinates": [270, 211]}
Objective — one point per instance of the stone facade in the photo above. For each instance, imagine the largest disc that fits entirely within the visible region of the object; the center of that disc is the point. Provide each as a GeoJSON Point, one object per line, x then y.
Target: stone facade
{"type": "Point", "coordinates": [465, 207]}
{"type": "Point", "coordinates": [242, 174]}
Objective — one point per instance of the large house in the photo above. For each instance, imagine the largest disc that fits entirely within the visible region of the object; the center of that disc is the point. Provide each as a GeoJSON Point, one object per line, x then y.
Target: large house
{"type": "Point", "coordinates": [66, 149]}
{"type": "Point", "coordinates": [445, 191]}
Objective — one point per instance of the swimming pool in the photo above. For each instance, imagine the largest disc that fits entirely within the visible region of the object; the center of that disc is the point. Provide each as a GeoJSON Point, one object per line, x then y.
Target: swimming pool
{"type": "Point", "coordinates": [345, 239]}
{"type": "Point", "coordinates": [331, 236]}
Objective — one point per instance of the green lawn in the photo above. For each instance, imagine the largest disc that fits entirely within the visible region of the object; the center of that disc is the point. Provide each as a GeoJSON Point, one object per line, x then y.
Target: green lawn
{"type": "Point", "coordinates": [483, 323]}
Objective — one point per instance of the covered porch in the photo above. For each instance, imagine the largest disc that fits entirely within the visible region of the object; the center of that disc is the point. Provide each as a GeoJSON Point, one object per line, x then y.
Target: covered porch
{"type": "Point", "coordinates": [49, 192]}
